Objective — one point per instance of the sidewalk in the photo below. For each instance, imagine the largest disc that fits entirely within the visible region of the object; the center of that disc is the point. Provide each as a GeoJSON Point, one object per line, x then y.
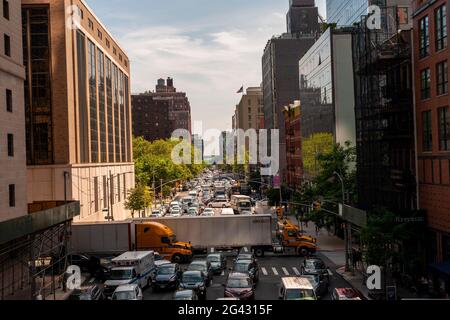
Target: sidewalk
{"type": "Point", "coordinates": [333, 248]}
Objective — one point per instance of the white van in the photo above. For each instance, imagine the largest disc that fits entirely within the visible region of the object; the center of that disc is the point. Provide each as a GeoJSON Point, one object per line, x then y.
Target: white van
{"type": "Point", "coordinates": [131, 268]}
{"type": "Point", "coordinates": [296, 288]}
{"type": "Point", "coordinates": [241, 203]}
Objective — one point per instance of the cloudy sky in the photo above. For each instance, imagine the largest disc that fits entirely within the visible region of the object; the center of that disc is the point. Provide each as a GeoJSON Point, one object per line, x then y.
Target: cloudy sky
{"type": "Point", "coordinates": [210, 47]}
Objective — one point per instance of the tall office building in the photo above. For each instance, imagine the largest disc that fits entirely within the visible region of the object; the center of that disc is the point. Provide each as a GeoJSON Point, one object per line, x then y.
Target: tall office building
{"type": "Point", "coordinates": [346, 12]}
{"type": "Point", "coordinates": [77, 107]}
{"type": "Point", "coordinates": [302, 17]}
{"type": "Point", "coordinates": [431, 58]}
{"type": "Point", "coordinates": [159, 113]}
{"type": "Point", "coordinates": [280, 70]}
{"type": "Point", "coordinates": [13, 201]}
{"type": "Point", "coordinates": [249, 110]}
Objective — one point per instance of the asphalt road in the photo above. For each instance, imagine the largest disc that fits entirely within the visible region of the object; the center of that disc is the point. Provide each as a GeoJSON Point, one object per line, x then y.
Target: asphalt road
{"type": "Point", "coordinates": [271, 270]}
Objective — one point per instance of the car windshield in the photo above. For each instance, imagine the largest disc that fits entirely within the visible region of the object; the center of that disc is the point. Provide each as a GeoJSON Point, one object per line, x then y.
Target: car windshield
{"type": "Point", "coordinates": [238, 283]}
{"type": "Point", "coordinates": [299, 294]}
{"type": "Point", "coordinates": [313, 264]}
{"type": "Point", "coordinates": [245, 204]}
{"type": "Point", "coordinates": [166, 270]}
{"type": "Point", "coordinates": [125, 295]}
{"type": "Point", "coordinates": [196, 267]}
{"type": "Point", "coordinates": [192, 278]}
{"type": "Point", "coordinates": [241, 267]}
{"type": "Point", "coordinates": [121, 274]}
{"type": "Point", "coordinates": [214, 258]}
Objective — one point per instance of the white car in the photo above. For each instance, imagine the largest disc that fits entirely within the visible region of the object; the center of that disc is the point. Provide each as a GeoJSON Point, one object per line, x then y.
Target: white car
{"type": "Point", "coordinates": [128, 292]}
{"type": "Point", "coordinates": [223, 203]}
{"type": "Point", "coordinates": [192, 212]}
{"type": "Point", "coordinates": [209, 212]}
{"type": "Point", "coordinates": [175, 204]}
{"type": "Point", "coordinates": [175, 212]}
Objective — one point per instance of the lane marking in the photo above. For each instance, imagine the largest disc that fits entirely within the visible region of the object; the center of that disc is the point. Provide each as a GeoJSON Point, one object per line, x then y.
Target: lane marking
{"type": "Point", "coordinates": [212, 250]}
{"type": "Point", "coordinates": [297, 273]}
{"type": "Point", "coordinates": [285, 271]}
{"type": "Point", "coordinates": [222, 274]}
{"type": "Point", "coordinates": [264, 271]}
{"type": "Point", "coordinates": [246, 250]}
{"type": "Point", "coordinates": [275, 271]}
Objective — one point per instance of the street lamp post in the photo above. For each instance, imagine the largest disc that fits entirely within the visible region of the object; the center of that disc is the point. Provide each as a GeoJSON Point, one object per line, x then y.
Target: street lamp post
{"type": "Point", "coordinates": [347, 231]}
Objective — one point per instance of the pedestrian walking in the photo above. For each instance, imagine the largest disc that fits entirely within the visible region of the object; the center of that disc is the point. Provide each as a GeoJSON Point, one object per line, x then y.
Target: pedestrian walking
{"type": "Point", "coordinates": [317, 230]}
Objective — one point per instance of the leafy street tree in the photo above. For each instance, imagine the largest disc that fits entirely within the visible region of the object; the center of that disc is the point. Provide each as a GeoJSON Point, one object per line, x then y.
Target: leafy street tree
{"type": "Point", "coordinates": [312, 147]}
{"type": "Point", "coordinates": [139, 199]}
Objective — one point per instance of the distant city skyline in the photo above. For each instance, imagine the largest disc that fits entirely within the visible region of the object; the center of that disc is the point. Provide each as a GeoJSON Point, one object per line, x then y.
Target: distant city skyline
{"type": "Point", "coordinates": [211, 48]}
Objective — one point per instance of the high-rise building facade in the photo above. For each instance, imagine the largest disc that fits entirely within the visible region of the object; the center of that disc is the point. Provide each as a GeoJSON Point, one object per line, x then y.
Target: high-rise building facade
{"type": "Point", "coordinates": [431, 56]}
{"type": "Point", "coordinates": [281, 75]}
{"type": "Point", "coordinates": [302, 17]}
{"type": "Point", "coordinates": [150, 118]}
{"type": "Point", "coordinates": [77, 107]}
{"type": "Point", "coordinates": [346, 12]}
{"type": "Point", "coordinates": [249, 110]}
{"type": "Point", "coordinates": [294, 172]}
{"type": "Point", "coordinates": [13, 179]}
{"type": "Point", "coordinates": [327, 88]}
{"type": "Point", "coordinates": [172, 112]}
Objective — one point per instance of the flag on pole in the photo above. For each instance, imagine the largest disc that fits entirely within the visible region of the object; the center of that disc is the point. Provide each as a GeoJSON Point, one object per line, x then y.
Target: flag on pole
{"type": "Point", "coordinates": [241, 90]}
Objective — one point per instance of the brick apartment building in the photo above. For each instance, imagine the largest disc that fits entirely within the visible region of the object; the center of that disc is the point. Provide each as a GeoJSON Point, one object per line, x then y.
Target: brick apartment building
{"type": "Point", "coordinates": [77, 108]}
{"type": "Point", "coordinates": [157, 114]}
{"type": "Point", "coordinates": [294, 171]}
{"type": "Point", "coordinates": [431, 55]}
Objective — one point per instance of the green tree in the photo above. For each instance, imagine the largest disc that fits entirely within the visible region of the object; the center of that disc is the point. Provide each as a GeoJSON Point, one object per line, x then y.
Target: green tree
{"type": "Point", "coordinates": [139, 199]}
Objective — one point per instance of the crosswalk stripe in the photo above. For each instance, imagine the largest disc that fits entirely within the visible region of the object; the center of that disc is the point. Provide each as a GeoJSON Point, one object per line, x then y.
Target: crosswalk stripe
{"type": "Point", "coordinates": [297, 273]}
{"type": "Point", "coordinates": [264, 271]}
{"type": "Point", "coordinates": [246, 249]}
{"type": "Point", "coordinates": [222, 274]}
{"type": "Point", "coordinates": [275, 271]}
{"type": "Point", "coordinates": [212, 250]}
{"type": "Point", "coordinates": [285, 271]}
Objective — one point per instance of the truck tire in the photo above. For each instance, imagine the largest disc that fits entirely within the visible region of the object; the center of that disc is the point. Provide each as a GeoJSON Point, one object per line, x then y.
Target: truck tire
{"type": "Point", "coordinates": [259, 252]}
{"type": "Point", "coordinates": [303, 252]}
{"type": "Point", "coordinates": [177, 258]}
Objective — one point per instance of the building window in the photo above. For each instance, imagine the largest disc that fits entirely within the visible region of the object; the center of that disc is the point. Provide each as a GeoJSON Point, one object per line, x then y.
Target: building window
{"type": "Point", "coordinates": [9, 104]}
{"type": "Point", "coordinates": [6, 9]}
{"type": "Point", "coordinates": [108, 43]}
{"type": "Point", "coordinates": [119, 194]}
{"type": "Point", "coordinates": [444, 129]}
{"type": "Point", "coordinates": [424, 33]}
{"type": "Point", "coordinates": [442, 78]}
{"type": "Point", "coordinates": [114, 50]}
{"type": "Point", "coordinates": [10, 145]}
{"type": "Point", "coordinates": [109, 103]}
{"type": "Point", "coordinates": [427, 128]}
{"type": "Point", "coordinates": [93, 101]}
{"type": "Point", "coordinates": [12, 195]}
{"type": "Point", "coordinates": [96, 194]}
{"type": "Point", "coordinates": [38, 87]}
{"type": "Point", "coordinates": [441, 27]}
{"type": "Point", "coordinates": [116, 112]}
{"type": "Point", "coordinates": [102, 104]}
{"type": "Point", "coordinates": [91, 24]}
{"type": "Point", "coordinates": [425, 90]}
{"type": "Point", "coordinates": [100, 35]}
{"type": "Point", "coordinates": [7, 41]}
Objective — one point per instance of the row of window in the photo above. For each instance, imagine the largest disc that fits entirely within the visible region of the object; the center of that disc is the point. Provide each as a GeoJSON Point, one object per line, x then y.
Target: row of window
{"type": "Point", "coordinates": [443, 130]}
{"type": "Point", "coordinates": [441, 32]}
{"type": "Point", "coordinates": [114, 188]}
{"type": "Point", "coordinates": [100, 36]}
{"type": "Point", "coordinates": [441, 80]}
{"type": "Point", "coordinates": [6, 38]}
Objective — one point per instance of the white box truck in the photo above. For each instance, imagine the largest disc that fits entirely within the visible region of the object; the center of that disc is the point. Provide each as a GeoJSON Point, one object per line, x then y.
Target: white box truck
{"type": "Point", "coordinates": [133, 267]}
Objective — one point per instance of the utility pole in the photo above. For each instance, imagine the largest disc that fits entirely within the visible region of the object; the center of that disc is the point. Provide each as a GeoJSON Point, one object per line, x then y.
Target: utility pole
{"type": "Point", "coordinates": [347, 231]}
{"type": "Point", "coordinates": [154, 191]}
{"type": "Point", "coordinates": [111, 198]}
{"type": "Point", "coordinates": [161, 191]}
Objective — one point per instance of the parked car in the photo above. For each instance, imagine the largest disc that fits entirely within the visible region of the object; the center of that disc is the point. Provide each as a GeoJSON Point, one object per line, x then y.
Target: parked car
{"type": "Point", "coordinates": [128, 292]}
{"type": "Point", "coordinates": [88, 292]}
{"type": "Point", "coordinates": [347, 294]}
{"type": "Point", "coordinates": [247, 267]}
{"type": "Point", "coordinates": [185, 295]}
{"type": "Point", "coordinates": [315, 267]}
{"type": "Point", "coordinates": [194, 280]}
{"type": "Point", "coordinates": [167, 277]}
{"type": "Point", "coordinates": [218, 262]}
{"type": "Point", "coordinates": [320, 286]}
{"type": "Point", "coordinates": [203, 266]}
{"type": "Point", "coordinates": [239, 286]}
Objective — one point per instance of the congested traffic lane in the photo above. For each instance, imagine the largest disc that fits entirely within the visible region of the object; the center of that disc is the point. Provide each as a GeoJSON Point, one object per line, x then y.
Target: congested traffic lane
{"type": "Point", "coordinates": [271, 270]}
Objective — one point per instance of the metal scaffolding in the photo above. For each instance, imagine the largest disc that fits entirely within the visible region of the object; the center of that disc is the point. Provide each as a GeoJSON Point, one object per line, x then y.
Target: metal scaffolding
{"type": "Point", "coordinates": [385, 115]}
